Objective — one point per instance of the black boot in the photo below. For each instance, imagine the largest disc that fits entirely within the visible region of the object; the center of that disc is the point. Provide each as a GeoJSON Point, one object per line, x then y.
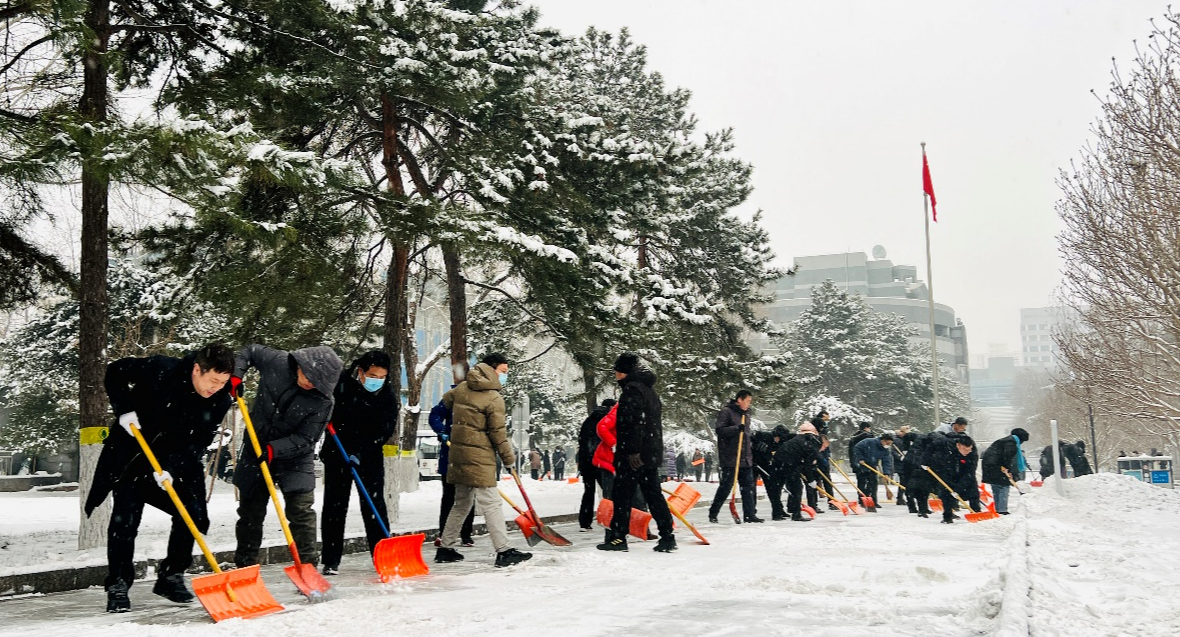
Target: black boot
{"type": "Point", "coordinates": [666, 544]}
{"type": "Point", "coordinates": [799, 517]}
{"type": "Point", "coordinates": [779, 517]}
{"type": "Point", "coordinates": [923, 515]}
{"type": "Point", "coordinates": [117, 599]}
{"type": "Point", "coordinates": [948, 519]}
{"type": "Point", "coordinates": [753, 519]}
{"type": "Point", "coordinates": [444, 554]}
{"type": "Point", "coordinates": [508, 557]}
{"type": "Point", "coordinates": [173, 589]}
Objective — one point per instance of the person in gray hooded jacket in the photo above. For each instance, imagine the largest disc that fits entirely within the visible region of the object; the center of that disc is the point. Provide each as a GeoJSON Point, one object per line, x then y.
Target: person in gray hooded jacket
{"type": "Point", "coordinates": [290, 412]}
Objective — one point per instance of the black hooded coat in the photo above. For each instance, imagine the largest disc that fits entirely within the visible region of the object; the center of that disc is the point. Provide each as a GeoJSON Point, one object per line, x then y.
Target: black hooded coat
{"type": "Point", "coordinates": [287, 417]}
{"type": "Point", "coordinates": [639, 420]}
{"type": "Point", "coordinates": [729, 425]}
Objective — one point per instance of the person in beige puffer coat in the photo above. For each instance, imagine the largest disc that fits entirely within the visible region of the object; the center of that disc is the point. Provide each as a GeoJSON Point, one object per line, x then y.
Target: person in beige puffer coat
{"type": "Point", "coordinates": [478, 435]}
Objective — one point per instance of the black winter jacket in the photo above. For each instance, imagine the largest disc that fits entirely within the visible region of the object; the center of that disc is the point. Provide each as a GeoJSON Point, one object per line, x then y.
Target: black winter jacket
{"type": "Point", "coordinates": [588, 439]}
{"type": "Point", "coordinates": [942, 455]}
{"type": "Point", "coordinates": [763, 447]}
{"type": "Point", "coordinates": [856, 438]}
{"type": "Point", "coordinates": [363, 420]}
{"type": "Point", "coordinates": [638, 421]}
{"type": "Point", "coordinates": [287, 417]}
{"type": "Point", "coordinates": [177, 422]}
{"type": "Point", "coordinates": [797, 456]}
{"type": "Point", "coordinates": [1000, 455]}
{"type": "Point", "coordinates": [729, 424]}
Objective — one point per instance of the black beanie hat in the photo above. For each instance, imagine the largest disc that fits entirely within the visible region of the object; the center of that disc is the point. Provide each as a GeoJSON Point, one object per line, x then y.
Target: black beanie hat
{"type": "Point", "coordinates": [626, 362]}
{"type": "Point", "coordinates": [960, 421]}
{"type": "Point", "coordinates": [1021, 434]}
{"type": "Point", "coordinates": [887, 436]}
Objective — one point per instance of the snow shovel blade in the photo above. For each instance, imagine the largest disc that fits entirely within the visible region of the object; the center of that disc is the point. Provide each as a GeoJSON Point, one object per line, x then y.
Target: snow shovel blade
{"type": "Point", "coordinates": [239, 592]}
{"type": "Point", "coordinates": [935, 504]}
{"type": "Point", "coordinates": [308, 581]}
{"type": "Point", "coordinates": [843, 506]}
{"type": "Point", "coordinates": [870, 504]}
{"type": "Point", "coordinates": [981, 516]}
{"type": "Point", "coordinates": [400, 556]}
{"type": "Point", "coordinates": [528, 529]}
{"type": "Point", "coordinates": [808, 510]}
{"type": "Point", "coordinates": [549, 535]}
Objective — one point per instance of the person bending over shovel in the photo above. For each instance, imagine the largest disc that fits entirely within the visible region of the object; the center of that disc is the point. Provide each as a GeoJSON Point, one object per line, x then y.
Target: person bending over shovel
{"type": "Point", "coordinates": [178, 404]}
{"type": "Point", "coordinates": [290, 411]}
{"type": "Point", "coordinates": [478, 435]}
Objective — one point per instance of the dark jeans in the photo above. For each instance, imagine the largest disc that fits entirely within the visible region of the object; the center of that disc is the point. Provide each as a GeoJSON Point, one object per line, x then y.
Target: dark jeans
{"type": "Point", "coordinates": [559, 473]}
{"type": "Point", "coordinates": [536, 473]}
{"type": "Point", "coordinates": [252, 513]}
{"type": "Point", "coordinates": [586, 508]}
{"type": "Point", "coordinates": [444, 510]}
{"type": "Point", "coordinates": [745, 483]}
{"type": "Point", "coordinates": [127, 511]}
{"type": "Point", "coordinates": [647, 482]}
{"type": "Point", "coordinates": [338, 485]}
{"type": "Point", "coordinates": [774, 492]}
{"type": "Point", "coordinates": [795, 488]}
{"type": "Point", "coordinates": [866, 481]}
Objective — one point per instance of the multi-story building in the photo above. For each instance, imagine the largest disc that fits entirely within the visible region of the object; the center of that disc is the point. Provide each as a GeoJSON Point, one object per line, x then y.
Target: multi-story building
{"type": "Point", "coordinates": [886, 287]}
{"type": "Point", "coordinates": [1037, 326]}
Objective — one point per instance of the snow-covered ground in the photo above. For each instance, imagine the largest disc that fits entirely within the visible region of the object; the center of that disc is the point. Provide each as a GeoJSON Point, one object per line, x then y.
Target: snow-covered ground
{"type": "Point", "coordinates": [1099, 562]}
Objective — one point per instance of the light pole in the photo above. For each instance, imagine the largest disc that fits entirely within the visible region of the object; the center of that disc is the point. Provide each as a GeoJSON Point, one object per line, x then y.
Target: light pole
{"type": "Point", "coordinates": [1093, 437]}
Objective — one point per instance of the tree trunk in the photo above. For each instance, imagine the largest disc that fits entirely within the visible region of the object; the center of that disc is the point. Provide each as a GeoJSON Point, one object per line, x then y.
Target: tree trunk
{"type": "Point", "coordinates": [395, 302]}
{"type": "Point", "coordinates": [457, 303]}
{"type": "Point", "coordinates": [93, 301]}
{"type": "Point", "coordinates": [591, 392]}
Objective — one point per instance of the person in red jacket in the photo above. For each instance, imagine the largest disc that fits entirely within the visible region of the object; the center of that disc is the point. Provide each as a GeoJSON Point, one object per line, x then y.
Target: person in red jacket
{"type": "Point", "coordinates": [604, 455]}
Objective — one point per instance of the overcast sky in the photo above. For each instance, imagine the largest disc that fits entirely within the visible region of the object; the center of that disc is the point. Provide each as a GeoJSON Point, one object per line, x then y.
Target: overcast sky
{"type": "Point", "coordinates": [830, 100]}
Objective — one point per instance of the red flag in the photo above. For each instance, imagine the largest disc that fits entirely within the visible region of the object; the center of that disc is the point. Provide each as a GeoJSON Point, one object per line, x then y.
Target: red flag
{"type": "Point", "coordinates": [928, 186]}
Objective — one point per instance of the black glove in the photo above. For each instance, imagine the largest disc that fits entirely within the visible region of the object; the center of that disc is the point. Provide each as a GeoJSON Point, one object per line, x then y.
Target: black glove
{"type": "Point", "coordinates": [635, 461]}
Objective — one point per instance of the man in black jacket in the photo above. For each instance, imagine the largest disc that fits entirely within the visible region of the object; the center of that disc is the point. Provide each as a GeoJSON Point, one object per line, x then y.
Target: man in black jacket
{"type": "Point", "coordinates": [639, 452]}
{"type": "Point", "coordinates": [733, 423]}
{"type": "Point", "coordinates": [587, 442]}
{"type": "Point", "coordinates": [364, 417]}
{"type": "Point", "coordinates": [177, 404]}
{"type": "Point", "coordinates": [1003, 464]}
{"type": "Point", "coordinates": [795, 464]}
{"type": "Point", "coordinates": [774, 481]}
{"type": "Point", "coordinates": [864, 430]}
{"type": "Point", "coordinates": [953, 459]}
{"type": "Point", "coordinates": [290, 411]}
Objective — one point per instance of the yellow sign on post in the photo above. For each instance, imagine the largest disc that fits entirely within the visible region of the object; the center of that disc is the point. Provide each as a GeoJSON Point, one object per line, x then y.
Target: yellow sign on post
{"type": "Point", "coordinates": [93, 435]}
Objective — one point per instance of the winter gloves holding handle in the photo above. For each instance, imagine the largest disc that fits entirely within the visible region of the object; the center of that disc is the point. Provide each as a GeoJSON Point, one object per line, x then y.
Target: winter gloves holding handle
{"type": "Point", "coordinates": [235, 390]}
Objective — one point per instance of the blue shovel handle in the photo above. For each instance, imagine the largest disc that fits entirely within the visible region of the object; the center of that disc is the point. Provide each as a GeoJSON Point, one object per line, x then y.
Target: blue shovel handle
{"type": "Point", "coordinates": [359, 485]}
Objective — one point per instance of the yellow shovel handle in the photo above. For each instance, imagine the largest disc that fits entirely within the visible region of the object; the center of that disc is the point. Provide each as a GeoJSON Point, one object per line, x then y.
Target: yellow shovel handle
{"type": "Point", "coordinates": [737, 464]}
{"type": "Point", "coordinates": [947, 487]}
{"type": "Point", "coordinates": [818, 488]}
{"type": "Point", "coordinates": [891, 480]}
{"type": "Point", "coordinates": [270, 484]}
{"type": "Point", "coordinates": [833, 485]}
{"type": "Point", "coordinates": [841, 470]}
{"type": "Point", "coordinates": [188, 520]}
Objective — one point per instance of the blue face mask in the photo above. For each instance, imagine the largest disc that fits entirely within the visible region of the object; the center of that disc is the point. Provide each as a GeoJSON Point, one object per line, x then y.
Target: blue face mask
{"type": "Point", "coordinates": [374, 384]}
{"type": "Point", "coordinates": [503, 376]}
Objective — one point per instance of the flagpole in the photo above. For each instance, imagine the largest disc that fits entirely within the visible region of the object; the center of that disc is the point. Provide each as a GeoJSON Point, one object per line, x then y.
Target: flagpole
{"type": "Point", "coordinates": [930, 293]}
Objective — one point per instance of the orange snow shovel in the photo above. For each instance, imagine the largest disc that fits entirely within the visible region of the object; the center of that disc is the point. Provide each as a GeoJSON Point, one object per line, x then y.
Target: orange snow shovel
{"type": "Point", "coordinates": [304, 576]}
{"type": "Point", "coordinates": [542, 529]}
{"type": "Point", "coordinates": [238, 592]}
{"type": "Point", "coordinates": [639, 519]}
{"type": "Point", "coordinates": [849, 503]}
{"type": "Point", "coordinates": [681, 502]}
{"type": "Point", "coordinates": [870, 505]}
{"type": "Point", "coordinates": [524, 522]}
{"type": "Point", "coordinates": [394, 556]}
{"type": "Point", "coordinates": [970, 517]}
{"type": "Point", "coordinates": [843, 506]}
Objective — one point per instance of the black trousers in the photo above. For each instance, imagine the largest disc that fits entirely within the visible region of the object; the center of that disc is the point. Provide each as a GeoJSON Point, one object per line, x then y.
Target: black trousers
{"type": "Point", "coordinates": [129, 497]}
{"type": "Point", "coordinates": [338, 484]}
{"type": "Point", "coordinates": [647, 483]}
{"type": "Point", "coordinates": [795, 493]}
{"type": "Point", "coordinates": [745, 478]}
{"type": "Point", "coordinates": [559, 473]}
{"type": "Point", "coordinates": [586, 508]}
{"type": "Point", "coordinates": [866, 481]}
{"type": "Point", "coordinates": [444, 511]}
{"type": "Point", "coordinates": [774, 492]}
{"type": "Point", "coordinates": [252, 514]}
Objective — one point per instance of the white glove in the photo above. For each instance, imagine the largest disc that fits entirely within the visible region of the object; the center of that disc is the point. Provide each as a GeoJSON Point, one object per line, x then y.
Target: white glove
{"type": "Point", "coordinates": [161, 477]}
{"type": "Point", "coordinates": [925, 468]}
{"type": "Point", "coordinates": [128, 420]}
{"type": "Point", "coordinates": [811, 485]}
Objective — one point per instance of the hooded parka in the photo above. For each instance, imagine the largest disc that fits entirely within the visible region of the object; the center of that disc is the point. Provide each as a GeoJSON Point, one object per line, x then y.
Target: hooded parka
{"type": "Point", "coordinates": [478, 430]}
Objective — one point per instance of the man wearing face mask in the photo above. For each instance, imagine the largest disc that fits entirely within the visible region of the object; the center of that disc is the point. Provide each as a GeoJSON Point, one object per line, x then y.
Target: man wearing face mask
{"type": "Point", "coordinates": [177, 404]}
{"type": "Point", "coordinates": [364, 417]}
{"type": "Point", "coordinates": [478, 435]}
